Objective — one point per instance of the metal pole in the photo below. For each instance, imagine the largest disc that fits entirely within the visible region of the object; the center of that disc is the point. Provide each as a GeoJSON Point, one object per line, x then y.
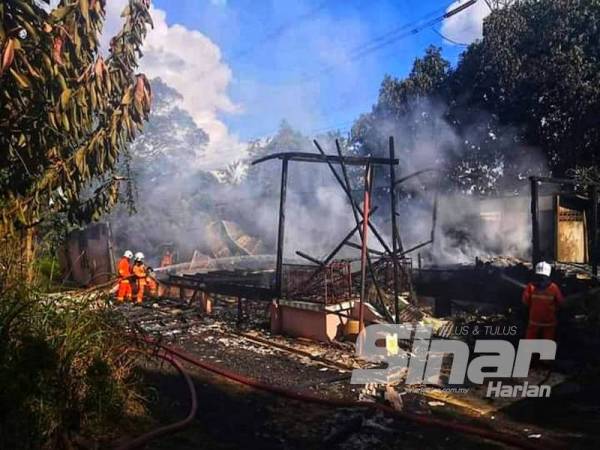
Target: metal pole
{"type": "Point", "coordinates": [281, 231]}
{"type": "Point", "coordinates": [594, 229]}
{"type": "Point", "coordinates": [535, 229]}
{"type": "Point", "coordinates": [394, 229]}
{"type": "Point", "coordinates": [363, 254]}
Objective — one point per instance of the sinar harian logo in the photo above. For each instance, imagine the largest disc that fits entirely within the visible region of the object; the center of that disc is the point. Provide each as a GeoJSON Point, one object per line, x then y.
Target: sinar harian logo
{"type": "Point", "coordinates": [495, 359]}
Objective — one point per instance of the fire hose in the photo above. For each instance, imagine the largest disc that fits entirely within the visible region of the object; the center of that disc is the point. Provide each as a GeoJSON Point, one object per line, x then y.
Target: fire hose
{"type": "Point", "coordinates": [142, 440]}
{"type": "Point", "coordinates": [473, 430]}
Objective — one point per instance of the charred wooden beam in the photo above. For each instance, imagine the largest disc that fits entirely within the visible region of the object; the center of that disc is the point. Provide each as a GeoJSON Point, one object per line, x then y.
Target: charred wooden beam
{"type": "Point", "coordinates": [329, 159]}
{"type": "Point", "coordinates": [310, 258]}
{"type": "Point", "coordinates": [396, 243]}
{"type": "Point", "coordinates": [535, 226]}
{"type": "Point", "coordinates": [230, 289]}
{"type": "Point", "coordinates": [345, 184]}
{"type": "Point", "coordinates": [346, 239]}
{"type": "Point", "coordinates": [569, 181]}
{"type": "Point", "coordinates": [338, 247]}
{"type": "Point", "coordinates": [416, 247]}
{"type": "Point", "coordinates": [370, 250]}
{"type": "Point", "coordinates": [281, 227]}
{"type": "Point", "coordinates": [594, 229]}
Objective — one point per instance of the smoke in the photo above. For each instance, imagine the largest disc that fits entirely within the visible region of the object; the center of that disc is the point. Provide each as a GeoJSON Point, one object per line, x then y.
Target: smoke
{"type": "Point", "coordinates": [170, 196]}
{"type": "Point", "coordinates": [467, 26]}
{"type": "Point", "coordinates": [317, 212]}
{"type": "Point", "coordinates": [480, 176]}
{"type": "Point", "coordinates": [471, 227]}
{"type": "Point", "coordinates": [481, 172]}
{"type": "Point", "coordinates": [180, 204]}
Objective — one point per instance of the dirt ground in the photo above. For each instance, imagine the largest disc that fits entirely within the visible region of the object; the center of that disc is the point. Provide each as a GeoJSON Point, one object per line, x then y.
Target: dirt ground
{"type": "Point", "coordinates": [231, 415]}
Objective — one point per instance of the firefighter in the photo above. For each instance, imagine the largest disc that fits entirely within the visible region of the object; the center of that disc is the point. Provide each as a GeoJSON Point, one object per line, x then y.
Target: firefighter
{"type": "Point", "coordinates": [139, 271]}
{"type": "Point", "coordinates": [124, 269]}
{"type": "Point", "coordinates": [543, 298]}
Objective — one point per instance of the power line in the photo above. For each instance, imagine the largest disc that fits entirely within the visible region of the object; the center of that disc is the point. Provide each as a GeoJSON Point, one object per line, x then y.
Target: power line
{"type": "Point", "coordinates": [270, 36]}
{"type": "Point", "coordinates": [386, 39]}
{"type": "Point", "coordinates": [279, 31]}
{"type": "Point", "coordinates": [446, 38]}
{"type": "Point", "coordinates": [390, 33]}
{"type": "Point", "coordinates": [275, 34]}
{"type": "Point", "coordinates": [392, 37]}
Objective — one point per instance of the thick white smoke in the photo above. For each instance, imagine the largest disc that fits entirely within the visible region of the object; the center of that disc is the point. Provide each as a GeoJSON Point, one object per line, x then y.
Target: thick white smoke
{"type": "Point", "coordinates": [483, 202]}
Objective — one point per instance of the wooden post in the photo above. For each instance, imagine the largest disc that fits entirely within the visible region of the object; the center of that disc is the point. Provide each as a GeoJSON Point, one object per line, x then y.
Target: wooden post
{"type": "Point", "coordinates": [594, 229]}
{"type": "Point", "coordinates": [394, 229]}
{"type": "Point", "coordinates": [535, 226]}
{"type": "Point", "coordinates": [281, 230]}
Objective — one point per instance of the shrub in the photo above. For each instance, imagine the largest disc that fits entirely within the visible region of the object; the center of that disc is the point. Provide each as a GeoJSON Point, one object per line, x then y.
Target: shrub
{"type": "Point", "coordinates": [64, 369]}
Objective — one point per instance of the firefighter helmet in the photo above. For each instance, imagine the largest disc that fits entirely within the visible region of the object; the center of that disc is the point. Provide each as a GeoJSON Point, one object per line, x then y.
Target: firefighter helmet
{"type": "Point", "coordinates": [128, 254]}
{"type": "Point", "coordinates": [139, 256]}
{"type": "Point", "coordinates": [543, 268]}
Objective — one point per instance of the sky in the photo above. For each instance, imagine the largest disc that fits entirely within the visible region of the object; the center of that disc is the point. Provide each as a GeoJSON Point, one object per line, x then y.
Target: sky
{"type": "Point", "coordinates": [243, 66]}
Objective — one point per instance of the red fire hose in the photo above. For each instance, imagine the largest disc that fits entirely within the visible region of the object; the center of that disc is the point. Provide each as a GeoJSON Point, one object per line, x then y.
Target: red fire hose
{"type": "Point", "coordinates": [307, 397]}
{"type": "Point", "coordinates": [142, 440]}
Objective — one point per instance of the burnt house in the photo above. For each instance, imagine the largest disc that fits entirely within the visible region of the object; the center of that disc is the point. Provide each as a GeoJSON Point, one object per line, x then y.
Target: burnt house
{"type": "Point", "coordinates": [88, 256]}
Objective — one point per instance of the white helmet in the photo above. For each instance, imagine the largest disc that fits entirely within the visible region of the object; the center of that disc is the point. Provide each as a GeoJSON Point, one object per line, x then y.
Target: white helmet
{"type": "Point", "coordinates": [139, 256]}
{"type": "Point", "coordinates": [543, 268]}
{"type": "Point", "coordinates": [128, 254]}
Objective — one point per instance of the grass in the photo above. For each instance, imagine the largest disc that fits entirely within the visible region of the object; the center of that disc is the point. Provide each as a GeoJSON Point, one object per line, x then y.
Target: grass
{"type": "Point", "coordinates": [65, 370]}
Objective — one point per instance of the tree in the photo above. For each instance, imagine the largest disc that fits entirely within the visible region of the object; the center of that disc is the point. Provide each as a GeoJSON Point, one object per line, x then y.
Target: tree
{"type": "Point", "coordinates": [413, 110]}
{"type": "Point", "coordinates": [176, 197]}
{"type": "Point", "coordinates": [264, 179]}
{"type": "Point", "coordinates": [427, 79]}
{"type": "Point", "coordinates": [537, 70]}
{"type": "Point", "coordinates": [523, 100]}
{"type": "Point", "coordinates": [66, 114]}
{"type": "Point", "coordinates": [171, 140]}
{"type": "Point", "coordinates": [405, 106]}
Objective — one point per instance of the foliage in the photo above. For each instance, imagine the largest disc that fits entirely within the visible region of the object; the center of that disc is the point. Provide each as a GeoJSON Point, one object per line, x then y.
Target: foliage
{"type": "Point", "coordinates": [63, 370]}
{"type": "Point", "coordinates": [233, 174]}
{"type": "Point", "coordinates": [66, 113]}
{"type": "Point", "coordinates": [177, 196]}
{"type": "Point", "coordinates": [407, 102]}
{"type": "Point", "coordinates": [523, 100]}
{"type": "Point", "coordinates": [171, 140]}
{"type": "Point", "coordinates": [538, 69]}
{"type": "Point", "coordinates": [265, 178]}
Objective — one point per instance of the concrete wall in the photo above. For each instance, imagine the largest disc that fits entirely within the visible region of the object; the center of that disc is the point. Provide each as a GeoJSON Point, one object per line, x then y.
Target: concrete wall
{"type": "Point", "coordinates": [317, 324]}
